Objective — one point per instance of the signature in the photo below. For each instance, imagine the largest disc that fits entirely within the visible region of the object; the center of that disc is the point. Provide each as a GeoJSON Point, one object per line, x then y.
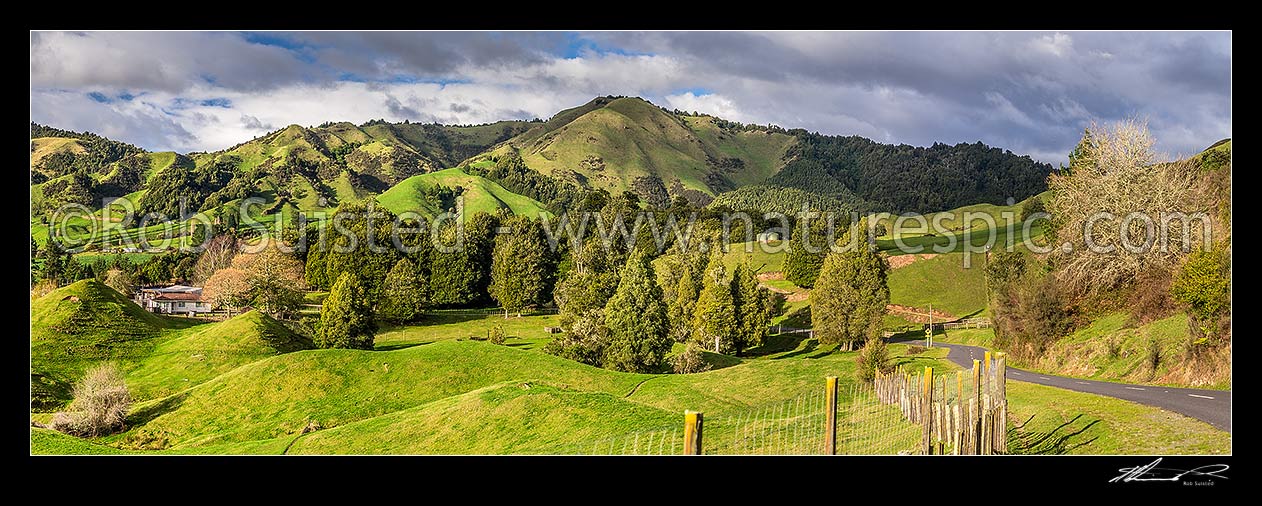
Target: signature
{"type": "Point", "coordinates": [1151, 472]}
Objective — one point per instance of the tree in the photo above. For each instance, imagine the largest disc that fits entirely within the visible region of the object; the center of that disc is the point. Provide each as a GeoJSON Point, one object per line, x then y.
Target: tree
{"type": "Point", "coordinates": [217, 254]}
{"type": "Point", "coordinates": [100, 405]}
{"type": "Point", "coordinates": [1116, 170]}
{"type": "Point", "coordinates": [55, 260]}
{"type": "Point", "coordinates": [807, 249]}
{"type": "Point", "coordinates": [405, 294]}
{"type": "Point", "coordinates": [636, 317]}
{"type": "Point", "coordinates": [682, 307]}
{"type": "Point", "coordinates": [346, 319]}
{"type": "Point", "coordinates": [1203, 284]}
{"type": "Point", "coordinates": [496, 334]}
{"type": "Point", "coordinates": [228, 288]}
{"type": "Point", "coordinates": [714, 322]}
{"type": "Point", "coordinates": [461, 277]}
{"type": "Point", "coordinates": [518, 267]}
{"type": "Point", "coordinates": [275, 280]}
{"type": "Point", "coordinates": [362, 244]}
{"type": "Point", "coordinates": [315, 268]}
{"type": "Point", "coordinates": [874, 357]}
{"type": "Point", "coordinates": [121, 281]}
{"type": "Point", "coordinates": [850, 296]}
{"type": "Point", "coordinates": [753, 308]}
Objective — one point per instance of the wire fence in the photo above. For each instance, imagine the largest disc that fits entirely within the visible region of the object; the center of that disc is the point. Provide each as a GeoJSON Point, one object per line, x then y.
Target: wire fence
{"type": "Point", "coordinates": [899, 413]}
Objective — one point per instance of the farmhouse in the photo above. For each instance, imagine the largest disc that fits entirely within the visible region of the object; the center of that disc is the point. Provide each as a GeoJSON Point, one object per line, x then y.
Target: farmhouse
{"type": "Point", "coordinates": [175, 299]}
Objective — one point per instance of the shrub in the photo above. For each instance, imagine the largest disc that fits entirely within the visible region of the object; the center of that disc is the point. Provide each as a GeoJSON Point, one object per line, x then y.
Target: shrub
{"type": "Point", "coordinates": [496, 334]}
{"type": "Point", "coordinates": [1154, 355]}
{"type": "Point", "coordinates": [100, 404]}
{"type": "Point", "coordinates": [690, 361]}
{"type": "Point", "coordinates": [1203, 284]}
{"type": "Point", "coordinates": [874, 356]}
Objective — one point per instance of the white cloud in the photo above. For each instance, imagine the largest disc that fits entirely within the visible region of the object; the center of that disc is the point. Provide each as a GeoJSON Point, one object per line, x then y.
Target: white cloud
{"type": "Point", "coordinates": [712, 104]}
{"type": "Point", "coordinates": [1057, 44]}
{"type": "Point", "coordinates": [1028, 92]}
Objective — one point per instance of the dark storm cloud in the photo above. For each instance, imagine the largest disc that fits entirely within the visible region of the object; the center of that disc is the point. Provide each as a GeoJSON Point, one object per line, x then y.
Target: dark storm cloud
{"type": "Point", "coordinates": [1029, 92]}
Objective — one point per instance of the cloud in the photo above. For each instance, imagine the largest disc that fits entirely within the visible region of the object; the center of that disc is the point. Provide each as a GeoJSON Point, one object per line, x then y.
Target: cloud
{"type": "Point", "coordinates": [1028, 92]}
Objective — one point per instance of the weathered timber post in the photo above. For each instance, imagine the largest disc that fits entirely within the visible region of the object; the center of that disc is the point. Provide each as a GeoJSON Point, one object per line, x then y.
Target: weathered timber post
{"type": "Point", "coordinates": [692, 432]}
{"type": "Point", "coordinates": [975, 408]}
{"type": "Point", "coordinates": [830, 423]}
{"type": "Point", "coordinates": [1001, 380]}
{"type": "Point", "coordinates": [925, 419]}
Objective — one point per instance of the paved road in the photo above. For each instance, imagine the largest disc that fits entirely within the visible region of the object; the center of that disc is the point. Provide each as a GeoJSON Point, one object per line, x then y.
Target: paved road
{"type": "Point", "coordinates": [1210, 406]}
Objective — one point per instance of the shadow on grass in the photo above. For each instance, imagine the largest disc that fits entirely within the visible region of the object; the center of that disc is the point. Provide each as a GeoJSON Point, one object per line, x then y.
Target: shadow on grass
{"type": "Point", "coordinates": [777, 343]}
{"type": "Point", "coordinates": [1059, 441]}
{"type": "Point", "coordinates": [398, 346]}
{"type": "Point", "coordinates": [145, 414]}
{"type": "Point", "coordinates": [807, 346]}
{"type": "Point", "coordinates": [719, 361]}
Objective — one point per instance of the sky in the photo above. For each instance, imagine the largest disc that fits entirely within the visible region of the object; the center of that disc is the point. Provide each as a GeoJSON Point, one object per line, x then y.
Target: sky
{"type": "Point", "coordinates": [1030, 92]}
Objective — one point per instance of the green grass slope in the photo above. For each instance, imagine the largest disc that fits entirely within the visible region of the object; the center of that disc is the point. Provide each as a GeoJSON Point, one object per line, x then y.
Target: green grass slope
{"type": "Point", "coordinates": [520, 417]}
{"type": "Point", "coordinates": [281, 395]}
{"type": "Point", "coordinates": [944, 282]}
{"type": "Point", "coordinates": [200, 353]}
{"type": "Point", "coordinates": [612, 143]}
{"type": "Point", "coordinates": [480, 194]}
{"type": "Point", "coordinates": [81, 324]}
{"type": "Point", "coordinates": [51, 442]}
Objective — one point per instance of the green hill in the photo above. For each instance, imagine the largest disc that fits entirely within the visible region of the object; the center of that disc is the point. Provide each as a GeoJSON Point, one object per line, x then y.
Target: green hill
{"type": "Point", "coordinates": [80, 324]}
{"type": "Point", "coordinates": [200, 353]}
{"type": "Point", "coordinates": [479, 193]}
{"type": "Point", "coordinates": [281, 395]}
{"type": "Point", "coordinates": [627, 144]}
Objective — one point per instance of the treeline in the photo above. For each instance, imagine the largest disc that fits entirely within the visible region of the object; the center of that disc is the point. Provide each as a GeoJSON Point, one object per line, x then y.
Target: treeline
{"type": "Point", "coordinates": [784, 200]}
{"type": "Point", "coordinates": [99, 152]}
{"type": "Point", "coordinates": [902, 178]}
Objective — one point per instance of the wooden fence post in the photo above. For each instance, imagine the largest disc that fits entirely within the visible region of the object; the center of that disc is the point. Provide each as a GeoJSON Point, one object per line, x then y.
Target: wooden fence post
{"type": "Point", "coordinates": [830, 423]}
{"type": "Point", "coordinates": [692, 432]}
{"type": "Point", "coordinates": [926, 419]}
{"type": "Point", "coordinates": [1001, 380]}
{"type": "Point", "coordinates": [975, 409]}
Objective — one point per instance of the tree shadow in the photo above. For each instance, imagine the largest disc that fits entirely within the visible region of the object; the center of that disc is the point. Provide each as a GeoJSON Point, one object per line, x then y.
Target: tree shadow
{"type": "Point", "coordinates": [807, 346]}
{"type": "Point", "coordinates": [398, 346]}
{"type": "Point", "coordinates": [1058, 441]}
{"type": "Point", "coordinates": [719, 360]}
{"type": "Point", "coordinates": [970, 315]}
{"type": "Point", "coordinates": [147, 413]}
{"type": "Point", "coordinates": [778, 343]}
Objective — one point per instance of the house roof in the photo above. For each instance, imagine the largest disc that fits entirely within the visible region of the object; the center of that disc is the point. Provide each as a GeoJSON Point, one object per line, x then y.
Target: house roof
{"type": "Point", "coordinates": [174, 289]}
{"type": "Point", "coordinates": [178, 296]}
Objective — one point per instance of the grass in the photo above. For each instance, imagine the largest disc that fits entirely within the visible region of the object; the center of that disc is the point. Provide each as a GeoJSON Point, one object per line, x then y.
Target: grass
{"type": "Point", "coordinates": [518, 417]}
{"type": "Point", "coordinates": [1049, 420]}
{"type": "Point", "coordinates": [50, 442]}
{"type": "Point", "coordinates": [82, 324]}
{"type": "Point", "coordinates": [200, 353]}
{"type": "Point", "coordinates": [635, 139]}
{"type": "Point", "coordinates": [526, 332]}
{"type": "Point", "coordinates": [480, 194]}
{"type": "Point", "coordinates": [756, 255]}
{"type": "Point", "coordinates": [942, 281]}
{"type": "Point", "coordinates": [1112, 350]}
{"type": "Point", "coordinates": [46, 146]}
{"type": "Point", "coordinates": [281, 395]}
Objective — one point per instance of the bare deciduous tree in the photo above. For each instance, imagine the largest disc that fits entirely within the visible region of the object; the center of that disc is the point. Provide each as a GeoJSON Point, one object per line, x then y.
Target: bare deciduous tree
{"type": "Point", "coordinates": [101, 402]}
{"type": "Point", "coordinates": [1110, 204]}
{"type": "Point", "coordinates": [218, 254]}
